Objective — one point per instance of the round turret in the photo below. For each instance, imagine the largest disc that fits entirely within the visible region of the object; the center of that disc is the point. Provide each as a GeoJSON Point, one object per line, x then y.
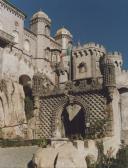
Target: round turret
{"type": "Point", "coordinates": [116, 57]}
{"type": "Point", "coordinates": [63, 37]}
{"type": "Point", "coordinates": [108, 72]}
{"type": "Point", "coordinates": [41, 14]}
{"type": "Point", "coordinates": [63, 31]}
{"type": "Point", "coordinates": [95, 46]}
{"type": "Point", "coordinates": [40, 23]}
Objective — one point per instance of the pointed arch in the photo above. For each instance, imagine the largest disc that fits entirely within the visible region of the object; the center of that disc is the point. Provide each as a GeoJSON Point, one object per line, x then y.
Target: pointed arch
{"type": "Point", "coordinates": [57, 112]}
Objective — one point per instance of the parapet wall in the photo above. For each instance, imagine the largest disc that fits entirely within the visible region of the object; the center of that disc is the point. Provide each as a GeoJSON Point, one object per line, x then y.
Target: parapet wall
{"type": "Point", "coordinates": [89, 49]}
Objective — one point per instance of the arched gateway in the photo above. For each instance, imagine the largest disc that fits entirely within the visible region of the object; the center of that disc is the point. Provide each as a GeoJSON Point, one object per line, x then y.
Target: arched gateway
{"type": "Point", "coordinates": [73, 120]}
{"type": "Point", "coordinates": [82, 109]}
{"type": "Point", "coordinates": [70, 118]}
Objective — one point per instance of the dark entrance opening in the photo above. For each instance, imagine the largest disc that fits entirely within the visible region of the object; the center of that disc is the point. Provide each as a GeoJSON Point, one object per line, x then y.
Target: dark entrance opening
{"type": "Point", "coordinates": [73, 118]}
{"type": "Point", "coordinates": [25, 80]}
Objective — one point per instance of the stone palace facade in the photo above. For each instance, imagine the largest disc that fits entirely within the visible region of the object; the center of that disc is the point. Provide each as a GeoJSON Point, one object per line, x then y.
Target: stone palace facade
{"type": "Point", "coordinates": [77, 90]}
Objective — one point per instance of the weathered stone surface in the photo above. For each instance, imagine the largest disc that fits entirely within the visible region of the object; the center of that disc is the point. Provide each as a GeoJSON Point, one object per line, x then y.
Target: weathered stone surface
{"type": "Point", "coordinates": [45, 157]}
{"type": "Point", "coordinates": [124, 109]}
{"type": "Point", "coordinates": [91, 150]}
{"type": "Point", "coordinates": [31, 128]}
{"type": "Point", "coordinates": [124, 116]}
{"type": "Point", "coordinates": [122, 80]}
{"type": "Point", "coordinates": [12, 114]}
{"type": "Point", "coordinates": [67, 154]}
{"type": "Point", "coordinates": [122, 84]}
{"type": "Point", "coordinates": [114, 140]}
{"type": "Point", "coordinates": [16, 157]}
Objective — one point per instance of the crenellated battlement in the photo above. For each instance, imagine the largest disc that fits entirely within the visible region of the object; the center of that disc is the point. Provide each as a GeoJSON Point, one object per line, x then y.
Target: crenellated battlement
{"type": "Point", "coordinates": [116, 57]}
{"type": "Point", "coordinates": [115, 54]}
{"type": "Point", "coordinates": [89, 49]}
{"type": "Point", "coordinates": [91, 45]}
{"type": "Point", "coordinates": [95, 45]}
{"type": "Point", "coordinates": [124, 71]}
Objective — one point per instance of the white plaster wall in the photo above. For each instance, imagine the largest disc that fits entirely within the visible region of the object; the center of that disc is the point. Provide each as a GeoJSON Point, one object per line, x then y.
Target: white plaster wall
{"type": "Point", "coordinates": [87, 60]}
{"type": "Point", "coordinates": [115, 140]}
{"type": "Point", "coordinates": [32, 39]}
{"type": "Point", "coordinates": [14, 67]}
{"type": "Point", "coordinates": [122, 80]}
{"type": "Point", "coordinates": [8, 20]}
{"type": "Point", "coordinates": [124, 110]}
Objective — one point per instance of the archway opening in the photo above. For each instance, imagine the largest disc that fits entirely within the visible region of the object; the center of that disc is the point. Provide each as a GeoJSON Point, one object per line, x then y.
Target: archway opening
{"type": "Point", "coordinates": [25, 81]}
{"type": "Point", "coordinates": [73, 119]}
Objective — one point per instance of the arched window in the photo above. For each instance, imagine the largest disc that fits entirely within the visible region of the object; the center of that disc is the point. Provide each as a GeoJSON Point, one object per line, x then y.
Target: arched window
{"type": "Point", "coordinates": [27, 45]}
{"type": "Point", "coordinates": [16, 36]}
{"type": "Point", "coordinates": [48, 53]}
{"type": "Point", "coordinates": [47, 30]}
{"type": "Point", "coordinates": [82, 67]}
{"type": "Point", "coordinates": [116, 63]}
{"type": "Point", "coordinates": [120, 63]}
{"type": "Point", "coordinates": [54, 57]}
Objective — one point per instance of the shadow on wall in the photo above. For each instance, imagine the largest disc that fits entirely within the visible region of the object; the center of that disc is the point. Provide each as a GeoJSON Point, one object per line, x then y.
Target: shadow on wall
{"type": "Point", "coordinates": [31, 165]}
{"type": "Point", "coordinates": [25, 81]}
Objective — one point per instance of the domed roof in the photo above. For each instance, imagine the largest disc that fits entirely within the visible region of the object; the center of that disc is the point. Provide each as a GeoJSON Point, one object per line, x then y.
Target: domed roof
{"type": "Point", "coordinates": [63, 31]}
{"type": "Point", "coordinates": [41, 14]}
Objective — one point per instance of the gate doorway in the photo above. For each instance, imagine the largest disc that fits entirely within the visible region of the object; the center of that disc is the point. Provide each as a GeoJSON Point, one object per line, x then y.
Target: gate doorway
{"type": "Point", "coordinates": [73, 119]}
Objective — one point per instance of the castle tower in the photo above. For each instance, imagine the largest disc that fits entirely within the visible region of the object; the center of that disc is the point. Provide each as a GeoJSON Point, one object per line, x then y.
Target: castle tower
{"type": "Point", "coordinates": [40, 25]}
{"type": "Point", "coordinates": [63, 37]}
{"type": "Point", "coordinates": [108, 72]}
{"type": "Point", "coordinates": [86, 60]}
{"type": "Point", "coordinates": [109, 80]}
{"type": "Point", "coordinates": [116, 57]}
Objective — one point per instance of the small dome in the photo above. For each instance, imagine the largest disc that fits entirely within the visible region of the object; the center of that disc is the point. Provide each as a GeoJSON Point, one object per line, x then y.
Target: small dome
{"type": "Point", "coordinates": [41, 14]}
{"type": "Point", "coordinates": [63, 31]}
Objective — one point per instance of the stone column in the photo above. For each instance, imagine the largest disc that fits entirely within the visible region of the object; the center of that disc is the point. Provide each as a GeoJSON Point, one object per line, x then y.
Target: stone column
{"type": "Point", "coordinates": [1, 61]}
{"type": "Point", "coordinates": [36, 116]}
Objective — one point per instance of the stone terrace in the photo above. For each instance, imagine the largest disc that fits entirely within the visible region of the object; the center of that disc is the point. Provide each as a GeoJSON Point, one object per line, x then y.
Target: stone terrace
{"type": "Point", "coordinates": [16, 157]}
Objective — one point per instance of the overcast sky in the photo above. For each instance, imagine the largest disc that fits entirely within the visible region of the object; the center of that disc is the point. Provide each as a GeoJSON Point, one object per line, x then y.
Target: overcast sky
{"type": "Point", "coordinates": [101, 21]}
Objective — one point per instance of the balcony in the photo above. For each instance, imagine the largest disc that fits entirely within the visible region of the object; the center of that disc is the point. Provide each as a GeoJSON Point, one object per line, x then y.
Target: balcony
{"type": "Point", "coordinates": [6, 39]}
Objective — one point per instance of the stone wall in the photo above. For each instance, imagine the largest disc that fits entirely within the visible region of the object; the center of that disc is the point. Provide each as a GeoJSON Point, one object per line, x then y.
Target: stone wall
{"type": "Point", "coordinates": [12, 114]}
{"type": "Point", "coordinates": [12, 21]}
{"type": "Point", "coordinates": [15, 63]}
{"type": "Point", "coordinates": [51, 109]}
{"type": "Point", "coordinates": [115, 140]}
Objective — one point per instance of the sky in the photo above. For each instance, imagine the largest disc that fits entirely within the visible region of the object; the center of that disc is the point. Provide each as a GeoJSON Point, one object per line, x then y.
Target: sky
{"type": "Point", "coordinates": [100, 21]}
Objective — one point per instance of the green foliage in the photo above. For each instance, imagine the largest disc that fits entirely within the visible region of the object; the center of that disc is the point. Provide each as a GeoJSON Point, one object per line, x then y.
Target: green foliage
{"type": "Point", "coordinates": [41, 142]}
{"type": "Point", "coordinates": [20, 142]}
{"type": "Point", "coordinates": [122, 158]}
{"type": "Point", "coordinates": [76, 137]}
{"type": "Point", "coordinates": [107, 161]}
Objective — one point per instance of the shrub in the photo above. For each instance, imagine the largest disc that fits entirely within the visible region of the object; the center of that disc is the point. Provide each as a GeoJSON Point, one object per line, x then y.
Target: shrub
{"type": "Point", "coordinates": [107, 161]}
